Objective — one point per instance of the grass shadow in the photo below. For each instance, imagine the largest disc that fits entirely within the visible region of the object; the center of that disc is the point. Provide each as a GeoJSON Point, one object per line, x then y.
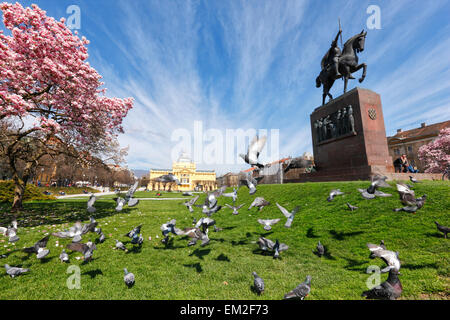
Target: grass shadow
{"type": "Point", "coordinates": [93, 273]}
{"type": "Point", "coordinates": [197, 266]}
{"type": "Point", "coordinates": [339, 235]}
{"type": "Point", "coordinates": [200, 253]}
{"type": "Point", "coordinates": [222, 257]}
{"type": "Point", "coordinates": [410, 266]}
{"type": "Point", "coordinates": [435, 234]}
{"type": "Point", "coordinates": [310, 233]}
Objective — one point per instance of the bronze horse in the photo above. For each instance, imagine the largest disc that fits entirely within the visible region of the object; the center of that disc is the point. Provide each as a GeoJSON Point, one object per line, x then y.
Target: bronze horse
{"type": "Point", "coordinates": [348, 63]}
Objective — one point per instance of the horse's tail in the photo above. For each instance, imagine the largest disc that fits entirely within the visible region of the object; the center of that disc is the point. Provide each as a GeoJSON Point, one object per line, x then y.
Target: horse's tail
{"type": "Point", "coordinates": [318, 82]}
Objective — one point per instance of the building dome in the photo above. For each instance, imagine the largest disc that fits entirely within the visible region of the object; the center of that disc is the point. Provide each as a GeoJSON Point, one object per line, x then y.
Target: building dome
{"type": "Point", "coordinates": [184, 157]}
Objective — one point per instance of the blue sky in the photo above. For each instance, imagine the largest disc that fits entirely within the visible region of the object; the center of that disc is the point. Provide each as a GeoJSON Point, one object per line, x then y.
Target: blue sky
{"type": "Point", "coordinates": [252, 64]}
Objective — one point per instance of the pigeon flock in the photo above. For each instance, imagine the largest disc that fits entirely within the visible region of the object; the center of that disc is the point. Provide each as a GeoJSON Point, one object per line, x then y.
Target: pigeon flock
{"type": "Point", "coordinates": [390, 289]}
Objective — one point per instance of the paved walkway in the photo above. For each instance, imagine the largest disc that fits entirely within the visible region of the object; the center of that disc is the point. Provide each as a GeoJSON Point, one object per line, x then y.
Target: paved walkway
{"type": "Point", "coordinates": [110, 193]}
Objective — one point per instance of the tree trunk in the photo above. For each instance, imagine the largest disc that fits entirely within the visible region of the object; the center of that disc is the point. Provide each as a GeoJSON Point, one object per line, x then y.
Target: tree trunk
{"type": "Point", "coordinates": [20, 185]}
{"type": "Point", "coordinates": [19, 191]}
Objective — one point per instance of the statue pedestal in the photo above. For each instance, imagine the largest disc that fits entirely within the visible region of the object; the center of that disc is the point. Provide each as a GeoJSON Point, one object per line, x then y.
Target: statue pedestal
{"type": "Point", "coordinates": [345, 148]}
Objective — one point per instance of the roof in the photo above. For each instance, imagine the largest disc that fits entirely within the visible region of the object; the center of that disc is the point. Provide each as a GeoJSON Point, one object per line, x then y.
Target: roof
{"type": "Point", "coordinates": [420, 133]}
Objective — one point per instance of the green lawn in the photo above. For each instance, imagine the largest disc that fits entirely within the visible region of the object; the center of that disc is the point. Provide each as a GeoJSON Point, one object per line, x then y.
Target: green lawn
{"type": "Point", "coordinates": [222, 270]}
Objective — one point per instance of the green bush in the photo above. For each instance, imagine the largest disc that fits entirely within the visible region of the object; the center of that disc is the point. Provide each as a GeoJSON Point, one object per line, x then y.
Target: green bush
{"type": "Point", "coordinates": [31, 192]}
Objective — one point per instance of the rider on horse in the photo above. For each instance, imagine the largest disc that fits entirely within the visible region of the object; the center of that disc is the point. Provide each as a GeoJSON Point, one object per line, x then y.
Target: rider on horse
{"type": "Point", "coordinates": [331, 59]}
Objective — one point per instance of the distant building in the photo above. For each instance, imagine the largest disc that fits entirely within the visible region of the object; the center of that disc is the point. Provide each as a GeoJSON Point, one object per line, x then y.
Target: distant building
{"type": "Point", "coordinates": [408, 142]}
{"type": "Point", "coordinates": [229, 180]}
{"type": "Point", "coordinates": [190, 178]}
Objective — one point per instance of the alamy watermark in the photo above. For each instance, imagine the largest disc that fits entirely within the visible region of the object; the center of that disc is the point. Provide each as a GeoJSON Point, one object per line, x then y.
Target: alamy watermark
{"type": "Point", "coordinates": [215, 146]}
{"type": "Point", "coordinates": [73, 21]}
{"type": "Point", "coordinates": [375, 279]}
{"type": "Point", "coordinates": [374, 20]}
{"type": "Point", "coordinates": [74, 280]}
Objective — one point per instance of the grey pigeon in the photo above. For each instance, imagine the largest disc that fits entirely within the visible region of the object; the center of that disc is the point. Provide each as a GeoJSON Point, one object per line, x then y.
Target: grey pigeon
{"type": "Point", "coordinates": [407, 197]}
{"type": "Point", "coordinates": [235, 208]}
{"type": "Point", "coordinates": [334, 193]}
{"type": "Point", "coordinates": [352, 208]}
{"type": "Point", "coordinates": [250, 182]}
{"type": "Point", "coordinates": [260, 203]}
{"type": "Point", "coordinates": [211, 199]}
{"type": "Point", "coordinates": [278, 247]}
{"type": "Point", "coordinates": [128, 278]}
{"type": "Point", "coordinates": [120, 245]}
{"type": "Point", "coordinates": [442, 229]}
{"type": "Point", "coordinates": [188, 194]}
{"type": "Point", "coordinates": [216, 229]}
{"type": "Point", "coordinates": [90, 204]}
{"type": "Point", "coordinates": [413, 180]}
{"type": "Point", "coordinates": [265, 244]}
{"type": "Point", "coordinates": [10, 232]}
{"type": "Point", "coordinates": [289, 215]}
{"type": "Point", "coordinates": [253, 151]}
{"type": "Point", "coordinates": [134, 232]}
{"type": "Point", "coordinates": [196, 234]}
{"type": "Point", "coordinates": [320, 249]}
{"type": "Point", "coordinates": [232, 195]}
{"type": "Point", "coordinates": [39, 248]}
{"type": "Point", "coordinates": [190, 203]}
{"type": "Point", "coordinates": [205, 223]}
{"type": "Point", "coordinates": [87, 249]}
{"type": "Point", "coordinates": [120, 203]}
{"type": "Point", "coordinates": [389, 257]}
{"type": "Point", "coordinates": [130, 194]}
{"type": "Point", "coordinates": [268, 223]}
{"type": "Point", "coordinates": [168, 228]}
{"type": "Point", "coordinates": [102, 238]}
{"type": "Point", "coordinates": [391, 289]}
{"type": "Point", "coordinates": [14, 271]}
{"type": "Point", "coordinates": [258, 283]}
{"type": "Point", "coordinates": [301, 291]}
{"type": "Point", "coordinates": [64, 257]}
{"type": "Point", "coordinates": [168, 178]}
{"type": "Point", "coordinates": [209, 211]}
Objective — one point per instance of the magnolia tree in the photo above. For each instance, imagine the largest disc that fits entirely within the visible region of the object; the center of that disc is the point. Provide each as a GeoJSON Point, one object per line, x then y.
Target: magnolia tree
{"type": "Point", "coordinates": [51, 99]}
{"type": "Point", "coordinates": [436, 155]}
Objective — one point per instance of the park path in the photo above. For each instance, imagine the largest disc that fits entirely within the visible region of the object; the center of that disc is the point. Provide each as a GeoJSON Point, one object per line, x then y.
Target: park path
{"type": "Point", "coordinates": [110, 193]}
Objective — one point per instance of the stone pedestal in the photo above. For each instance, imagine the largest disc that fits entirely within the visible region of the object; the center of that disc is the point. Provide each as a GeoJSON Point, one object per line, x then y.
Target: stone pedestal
{"type": "Point", "coordinates": [345, 148]}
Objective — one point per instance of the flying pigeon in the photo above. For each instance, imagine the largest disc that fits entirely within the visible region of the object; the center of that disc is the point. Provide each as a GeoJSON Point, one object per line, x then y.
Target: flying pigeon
{"type": "Point", "coordinates": [278, 247]}
{"type": "Point", "coordinates": [235, 208]}
{"type": "Point", "coordinates": [301, 291]}
{"type": "Point", "coordinates": [169, 227]}
{"type": "Point", "coordinates": [87, 249]}
{"type": "Point", "coordinates": [14, 271]}
{"type": "Point", "coordinates": [407, 197]}
{"type": "Point", "coordinates": [120, 245]}
{"type": "Point", "coordinates": [10, 232]}
{"type": "Point", "coordinates": [258, 283]}
{"type": "Point", "coordinates": [120, 203]}
{"type": "Point", "coordinates": [211, 199]}
{"type": "Point", "coordinates": [128, 278]}
{"type": "Point", "coordinates": [205, 223]}
{"type": "Point", "coordinates": [90, 204]}
{"type": "Point", "coordinates": [334, 193]}
{"type": "Point", "coordinates": [39, 248]}
{"type": "Point", "coordinates": [64, 257]}
{"type": "Point", "coordinates": [260, 203]}
{"type": "Point", "coordinates": [129, 195]}
{"type": "Point", "coordinates": [289, 215]}
{"type": "Point", "coordinates": [413, 180]}
{"type": "Point", "coordinates": [134, 232]}
{"type": "Point", "coordinates": [265, 244]}
{"type": "Point", "coordinates": [253, 151]}
{"type": "Point", "coordinates": [232, 195]}
{"type": "Point", "coordinates": [250, 182]}
{"type": "Point", "coordinates": [196, 234]}
{"type": "Point", "coordinates": [168, 178]}
{"type": "Point", "coordinates": [320, 249]}
{"type": "Point", "coordinates": [442, 229]}
{"type": "Point", "coordinates": [209, 211]}
{"type": "Point", "coordinates": [391, 289]}
{"type": "Point", "coordinates": [268, 223]}
{"type": "Point", "coordinates": [352, 208]}
{"type": "Point", "coordinates": [190, 203]}
{"type": "Point", "coordinates": [389, 257]}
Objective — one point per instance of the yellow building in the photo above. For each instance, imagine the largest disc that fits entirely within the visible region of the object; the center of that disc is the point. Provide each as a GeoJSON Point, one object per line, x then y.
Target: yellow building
{"type": "Point", "coordinates": [186, 172]}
